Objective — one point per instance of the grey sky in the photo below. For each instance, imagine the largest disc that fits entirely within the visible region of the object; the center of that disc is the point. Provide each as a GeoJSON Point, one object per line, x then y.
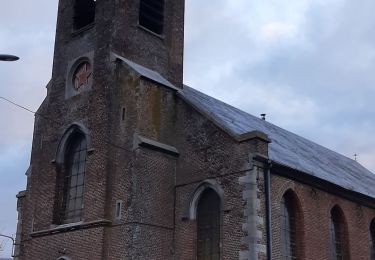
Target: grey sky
{"type": "Point", "coordinates": [308, 64]}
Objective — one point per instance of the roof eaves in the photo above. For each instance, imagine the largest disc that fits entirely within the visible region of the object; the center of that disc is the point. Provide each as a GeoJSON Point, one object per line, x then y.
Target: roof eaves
{"type": "Point", "coordinates": [322, 184]}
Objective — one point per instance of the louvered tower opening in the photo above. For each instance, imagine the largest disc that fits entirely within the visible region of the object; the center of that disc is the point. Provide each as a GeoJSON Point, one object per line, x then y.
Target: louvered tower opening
{"type": "Point", "coordinates": [84, 13]}
{"type": "Point", "coordinates": [151, 15]}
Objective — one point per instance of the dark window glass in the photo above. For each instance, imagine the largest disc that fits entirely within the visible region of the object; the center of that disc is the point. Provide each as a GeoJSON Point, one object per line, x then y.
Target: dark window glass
{"type": "Point", "coordinates": [84, 13]}
{"type": "Point", "coordinates": [338, 235]}
{"type": "Point", "coordinates": [288, 228]}
{"type": "Point", "coordinates": [372, 237]}
{"type": "Point", "coordinates": [151, 15]}
{"type": "Point", "coordinates": [208, 226]}
{"type": "Point", "coordinates": [74, 180]}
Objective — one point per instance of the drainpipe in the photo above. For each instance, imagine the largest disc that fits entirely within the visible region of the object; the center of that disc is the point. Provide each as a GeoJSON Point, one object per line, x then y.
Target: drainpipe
{"type": "Point", "coordinates": [267, 188]}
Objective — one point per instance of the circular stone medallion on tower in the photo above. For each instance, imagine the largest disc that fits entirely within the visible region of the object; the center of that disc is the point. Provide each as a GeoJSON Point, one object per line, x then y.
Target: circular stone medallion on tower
{"type": "Point", "coordinates": [81, 75]}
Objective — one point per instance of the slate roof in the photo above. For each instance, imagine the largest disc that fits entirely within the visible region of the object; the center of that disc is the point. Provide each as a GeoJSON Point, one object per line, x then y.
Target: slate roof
{"type": "Point", "coordinates": [287, 148]}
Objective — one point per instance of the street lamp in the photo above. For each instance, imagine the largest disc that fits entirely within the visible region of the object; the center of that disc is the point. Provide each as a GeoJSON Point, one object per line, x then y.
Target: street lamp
{"type": "Point", "coordinates": [13, 242]}
{"type": "Point", "coordinates": [7, 57]}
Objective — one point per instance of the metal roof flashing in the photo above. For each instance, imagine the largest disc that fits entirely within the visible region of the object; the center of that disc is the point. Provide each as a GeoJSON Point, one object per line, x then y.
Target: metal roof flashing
{"type": "Point", "coordinates": [253, 135]}
{"type": "Point", "coordinates": [144, 72]}
{"type": "Point", "coordinates": [155, 145]}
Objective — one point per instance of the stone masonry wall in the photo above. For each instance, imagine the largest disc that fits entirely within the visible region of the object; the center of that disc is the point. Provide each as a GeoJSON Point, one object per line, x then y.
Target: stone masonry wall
{"type": "Point", "coordinates": [254, 226]}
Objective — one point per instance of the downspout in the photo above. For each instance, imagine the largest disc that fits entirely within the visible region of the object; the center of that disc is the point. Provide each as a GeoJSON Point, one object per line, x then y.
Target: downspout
{"type": "Point", "coordinates": [267, 189]}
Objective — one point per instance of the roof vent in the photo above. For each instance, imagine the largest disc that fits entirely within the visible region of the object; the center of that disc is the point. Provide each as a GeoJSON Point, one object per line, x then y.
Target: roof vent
{"type": "Point", "coordinates": [263, 116]}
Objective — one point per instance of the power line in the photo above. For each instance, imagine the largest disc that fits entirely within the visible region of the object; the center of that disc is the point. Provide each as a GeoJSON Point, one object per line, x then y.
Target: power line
{"type": "Point", "coordinates": [27, 109]}
{"type": "Point", "coordinates": [14, 103]}
{"type": "Point", "coordinates": [47, 118]}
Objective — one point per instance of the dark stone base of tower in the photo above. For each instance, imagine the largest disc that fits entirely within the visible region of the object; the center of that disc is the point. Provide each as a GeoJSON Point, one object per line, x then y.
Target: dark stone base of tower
{"type": "Point", "coordinates": [127, 163]}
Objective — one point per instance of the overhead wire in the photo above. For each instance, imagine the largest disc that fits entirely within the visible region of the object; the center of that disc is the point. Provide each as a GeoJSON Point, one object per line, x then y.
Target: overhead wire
{"type": "Point", "coordinates": [47, 118]}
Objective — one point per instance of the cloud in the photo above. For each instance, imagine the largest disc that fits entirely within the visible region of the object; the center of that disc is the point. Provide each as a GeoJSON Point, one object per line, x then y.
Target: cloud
{"type": "Point", "coordinates": [27, 30]}
{"type": "Point", "coordinates": [277, 31]}
{"type": "Point", "coordinates": [308, 65]}
{"type": "Point", "coordinates": [13, 162]}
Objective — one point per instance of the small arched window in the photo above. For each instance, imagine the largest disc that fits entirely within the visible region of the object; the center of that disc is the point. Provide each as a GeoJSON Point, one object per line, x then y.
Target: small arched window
{"type": "Point", "coordinates": [84, 13]}
{"type": "Point", "coordinates": [338, 235]}
{"type": "Point", "coordinates": [372, 239]}
{"type": "Point", "coordinates": [208, 226]}
{"type": "Point", "coordinates": [74, 178]}
{"type": "Point", "coordinates": [291, 230]}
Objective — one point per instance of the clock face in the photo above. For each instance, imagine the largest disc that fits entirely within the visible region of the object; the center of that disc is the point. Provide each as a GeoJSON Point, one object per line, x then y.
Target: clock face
{"type": "Point", "coordinates": [81, 75]}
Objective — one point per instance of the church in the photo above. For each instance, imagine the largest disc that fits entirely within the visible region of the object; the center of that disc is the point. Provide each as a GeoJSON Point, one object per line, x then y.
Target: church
{"type": "Point", "coordinates": [128, 162]}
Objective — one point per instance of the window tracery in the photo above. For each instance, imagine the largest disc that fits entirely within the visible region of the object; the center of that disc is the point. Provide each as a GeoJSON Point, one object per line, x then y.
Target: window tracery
{"type": "Point", "coordinates": [74, 178]}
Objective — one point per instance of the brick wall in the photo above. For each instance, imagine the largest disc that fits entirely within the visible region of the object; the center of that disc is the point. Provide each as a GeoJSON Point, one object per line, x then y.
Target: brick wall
{"type": "Point", "coordinates": [83, 244]}
{"type": "Point", "coordinates": [209, 155]}
{"type": "Point", "coordinates": [315, 208]}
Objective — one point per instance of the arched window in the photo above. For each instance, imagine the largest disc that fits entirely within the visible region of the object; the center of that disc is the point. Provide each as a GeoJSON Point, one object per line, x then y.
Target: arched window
{"type": "Point", "coordinates": [84, 13]}
{"type": "Point", "coordinates": [338, 235]}
{"type": "Point", "coordinates": [151, 15]}
{"type": "Point", "coordinates": [291, 227]}
{"type": "Point", "coordinates": [208, 226]}
{"type": "Point", "coordinates": [74, 178]}
{"type": "Point", "coordinates": [372, 239]}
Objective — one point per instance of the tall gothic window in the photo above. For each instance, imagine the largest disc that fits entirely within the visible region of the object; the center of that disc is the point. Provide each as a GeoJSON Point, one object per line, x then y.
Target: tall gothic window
{"type": "Point", "coordinates": [372, 237]}
{"type": "Point", "coordinates": [208, 226]}
{"type": "Point", "coordinates": [74, 178]}
{"type": "Point", "coordinates": [84, 13]}
{"type": "Point", "coordinates": [338, 235]}
{"type": "Point", "coordinates": [291, 236]}
{"type": "Point", "coordinates": [151, 15]}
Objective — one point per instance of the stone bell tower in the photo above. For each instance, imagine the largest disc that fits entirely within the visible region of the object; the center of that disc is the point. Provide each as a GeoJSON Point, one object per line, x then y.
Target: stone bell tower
{"type": "Point", "coordinates": [92, 192]}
